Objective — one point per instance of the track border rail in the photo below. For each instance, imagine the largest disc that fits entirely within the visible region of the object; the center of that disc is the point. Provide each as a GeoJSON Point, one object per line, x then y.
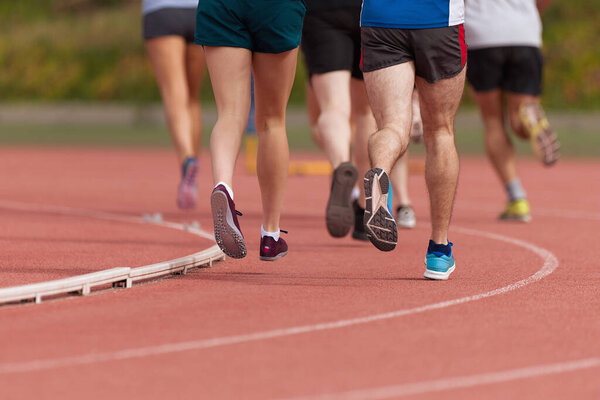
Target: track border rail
{"type": "Point", "coordinates": [120, 277]}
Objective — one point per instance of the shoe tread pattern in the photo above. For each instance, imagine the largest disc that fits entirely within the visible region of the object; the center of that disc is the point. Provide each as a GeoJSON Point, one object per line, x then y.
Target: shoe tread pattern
{"type": "Point", "coordinates": [339, 215]}
{"type": "Point", "coordinates": [380, 226]}
{"type": "Point", "coordinates": [228, 238]}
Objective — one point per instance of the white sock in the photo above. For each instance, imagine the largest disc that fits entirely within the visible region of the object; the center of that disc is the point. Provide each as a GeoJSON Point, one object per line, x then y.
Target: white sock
{"type": "Point", "coordinates": [263, 233]}
{"type": "Point", "coordinates": [514, 190]}
{"type": "Point", "coordinates": [226, 187]}
{"type": "Point", "coordinates": [355, 193]}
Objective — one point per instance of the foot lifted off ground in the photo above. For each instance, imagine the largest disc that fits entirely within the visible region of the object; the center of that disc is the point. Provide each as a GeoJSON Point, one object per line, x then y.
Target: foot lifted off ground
{"type": "Point", "coordinates": [339, 215]}
{"type": "Point", "coordinates": [379, 223]}
{"type": "Point", "coordinates": [227, 235]}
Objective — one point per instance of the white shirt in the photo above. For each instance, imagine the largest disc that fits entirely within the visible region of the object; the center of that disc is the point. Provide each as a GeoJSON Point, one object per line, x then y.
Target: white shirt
{"type": "Point", "coordinates": [153, 5]}
{"type": "Point", "coordinates": [496, 23]}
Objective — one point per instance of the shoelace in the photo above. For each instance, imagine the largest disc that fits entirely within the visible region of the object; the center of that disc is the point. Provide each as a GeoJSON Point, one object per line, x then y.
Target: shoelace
{"type": "Point", "coordinates": [282, 231]}
{"type": "Point", "coordinates": [238, 213]}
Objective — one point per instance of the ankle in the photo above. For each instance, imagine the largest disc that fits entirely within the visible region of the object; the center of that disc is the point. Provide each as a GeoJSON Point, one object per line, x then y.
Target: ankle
{"type": "Point", "coordinates": [229, 190]}
{"type": "Point", "coordinates": [274, 234]}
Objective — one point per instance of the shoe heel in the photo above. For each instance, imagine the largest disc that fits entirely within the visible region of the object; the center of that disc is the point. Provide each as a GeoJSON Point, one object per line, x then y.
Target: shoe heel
{"type": "Point", "coordinates": [339, 215]}
{"type": "Point", "coordinates": [227, 236]}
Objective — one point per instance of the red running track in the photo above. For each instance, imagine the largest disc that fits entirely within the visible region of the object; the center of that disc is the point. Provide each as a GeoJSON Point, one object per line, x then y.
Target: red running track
{"type": "Point", "coordinates": [224, 333]}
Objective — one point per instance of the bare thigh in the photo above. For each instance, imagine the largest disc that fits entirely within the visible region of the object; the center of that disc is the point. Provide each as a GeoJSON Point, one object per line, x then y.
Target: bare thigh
{"type": "Point", "coordinates": [195, 68]}
{"type": "Point", "coordinates": [358, 96]}
{"type": "Point", "coordinates": [439, 102]}
{"type": "Point", "coordinates": [273, 79]}
{"type": "Point", "coordinates": [491, 108]}
{"type": "Point", "coordinates": [167, 55]}
{"type": "Point", "coordinates": [229, 69]}
{"type": "Point", "coordinates": [390, 93]}
{"type": "Point", "coordinates": [332, 90]}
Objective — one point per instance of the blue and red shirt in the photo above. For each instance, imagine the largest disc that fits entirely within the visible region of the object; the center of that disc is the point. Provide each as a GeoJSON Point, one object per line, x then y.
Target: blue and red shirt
{"type": "Point", "coordinates": [412, 14]}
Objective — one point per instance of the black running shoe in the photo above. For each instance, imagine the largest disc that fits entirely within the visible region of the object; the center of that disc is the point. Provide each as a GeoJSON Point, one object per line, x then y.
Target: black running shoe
{"type": "Point", "coordinates": [339, 215]}
{"type": "Point", "coordinates": [359, 222]}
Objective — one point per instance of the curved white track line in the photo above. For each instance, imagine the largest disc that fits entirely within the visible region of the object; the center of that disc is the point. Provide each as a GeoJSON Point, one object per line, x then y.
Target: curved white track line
{"type": "Point", "coordinates": [82, 284]}
{"type": "Point", "coordinates": [457, 382]}
{"type": "Point", "coordinates": [549, 265]}
{"type": "Point", "coordinates": [545, 212]}
{"type": "Point", "coordinates": [101, 215]}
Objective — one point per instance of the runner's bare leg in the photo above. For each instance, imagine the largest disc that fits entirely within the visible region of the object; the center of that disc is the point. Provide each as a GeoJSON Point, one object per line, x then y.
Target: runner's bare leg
{"type": "Point", "coordinates": [514, 102]}
{"type": "Point", "coordinates": [167, 55]}
{"type": "Point", "coordinates": [390, 93]}
{"type": "Point", "coordinates": [399, 179]}
{"type": "Point", "coordinates": [332, 91]}
{"type": "Point", "coordinates": [229, 69]}
{"type": "Point", "coordinates": [195, 67]}
{"type": "Point", "coordinates": [439, 102]}
{"type": "Point", "coordinates": [364, 127]}
{"type": "Point", "coordinates": [498, 145]}
{"type": "Point", "coordinates": [273, 79]}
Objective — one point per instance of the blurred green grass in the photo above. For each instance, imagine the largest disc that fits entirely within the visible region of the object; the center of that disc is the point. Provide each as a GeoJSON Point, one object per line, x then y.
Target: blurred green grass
{"type": "Point", "coordinates": [575, 143]}
{"type": "Point", "coordinates": [56, 50]}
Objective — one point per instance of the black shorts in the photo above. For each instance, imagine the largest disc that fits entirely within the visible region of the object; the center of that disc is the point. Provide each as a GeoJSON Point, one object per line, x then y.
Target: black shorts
{"type": "Point", "coordinates": [438, 53]}
{"type": "Point", "coordinates": [515, 69]}
{"type": "Point", "coordinates": [170, 21]}
{"type": "Point", "coordinates": [331, 41]}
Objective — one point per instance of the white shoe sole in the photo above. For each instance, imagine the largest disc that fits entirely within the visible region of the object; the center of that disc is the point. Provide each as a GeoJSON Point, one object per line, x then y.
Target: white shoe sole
{"type": "Point", "coordinates": [277, 257]}
{"type": "Point", "coordinates": [439, 276]}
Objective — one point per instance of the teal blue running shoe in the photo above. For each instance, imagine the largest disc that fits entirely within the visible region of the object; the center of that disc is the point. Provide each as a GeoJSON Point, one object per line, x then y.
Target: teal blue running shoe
{"type": "Point", "coordinates": [439, 260]}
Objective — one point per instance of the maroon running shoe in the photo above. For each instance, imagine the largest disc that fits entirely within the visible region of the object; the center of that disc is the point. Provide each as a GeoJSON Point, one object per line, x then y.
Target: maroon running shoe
{"type": "Point", "coordinates": [228, 234]}
{"type": "Point", "coordinates": [271, 250]}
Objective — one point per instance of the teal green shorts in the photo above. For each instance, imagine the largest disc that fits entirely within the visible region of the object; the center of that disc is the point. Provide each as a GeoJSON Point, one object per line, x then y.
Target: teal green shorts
{"type": "Point", "coordinates": [263, 26]}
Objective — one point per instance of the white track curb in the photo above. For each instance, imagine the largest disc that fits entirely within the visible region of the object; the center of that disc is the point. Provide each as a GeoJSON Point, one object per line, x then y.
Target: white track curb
{"type": "Point", "coordinates": [123, 277]}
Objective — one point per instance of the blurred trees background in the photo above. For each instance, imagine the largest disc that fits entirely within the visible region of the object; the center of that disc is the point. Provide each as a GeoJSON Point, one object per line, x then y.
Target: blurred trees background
{"type": "Point", "coordinates": [72, 50]}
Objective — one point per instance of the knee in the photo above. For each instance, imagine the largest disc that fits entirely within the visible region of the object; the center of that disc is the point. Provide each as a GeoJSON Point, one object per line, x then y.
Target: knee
{"type": "Point", "coordinates": [496, 142]}
{"type": "Point", "coordinates": [333, 115]}
{"type": "Point", "coordinates": [392, 136]}
{"type": "Point", "coordinates": [232, 120]}
{"type": "Point", "coordinates": [438, 131]}
{"type": "Point", "coordinates": [438, 137]}
{"type": "Point", "coordinates": [269, 124]}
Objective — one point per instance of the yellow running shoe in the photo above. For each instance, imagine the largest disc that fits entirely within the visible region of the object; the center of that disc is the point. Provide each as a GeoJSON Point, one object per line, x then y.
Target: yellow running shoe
{"type": "Point", "coordinates": [517, 210]}
{"type": "Point", "coordinates": [544, 141]}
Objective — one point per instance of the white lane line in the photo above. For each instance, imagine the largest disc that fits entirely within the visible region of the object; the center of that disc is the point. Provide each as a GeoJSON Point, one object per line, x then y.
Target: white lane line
{"type": "Point", "coordinates": [457, 382]}
{"type": "Point", "coordinates": [101, 215]}
{"type": "Point", "coordinates": [549, 265]}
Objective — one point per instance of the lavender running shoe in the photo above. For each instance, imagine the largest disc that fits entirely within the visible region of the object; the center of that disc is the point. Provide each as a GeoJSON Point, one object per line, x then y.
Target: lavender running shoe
{"type": "Point", "coordinates": [271, 250]}
{"type": "Point", "coordinates": [228, 234]}
{"type": "Point", "coordinates": [188, 193]}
